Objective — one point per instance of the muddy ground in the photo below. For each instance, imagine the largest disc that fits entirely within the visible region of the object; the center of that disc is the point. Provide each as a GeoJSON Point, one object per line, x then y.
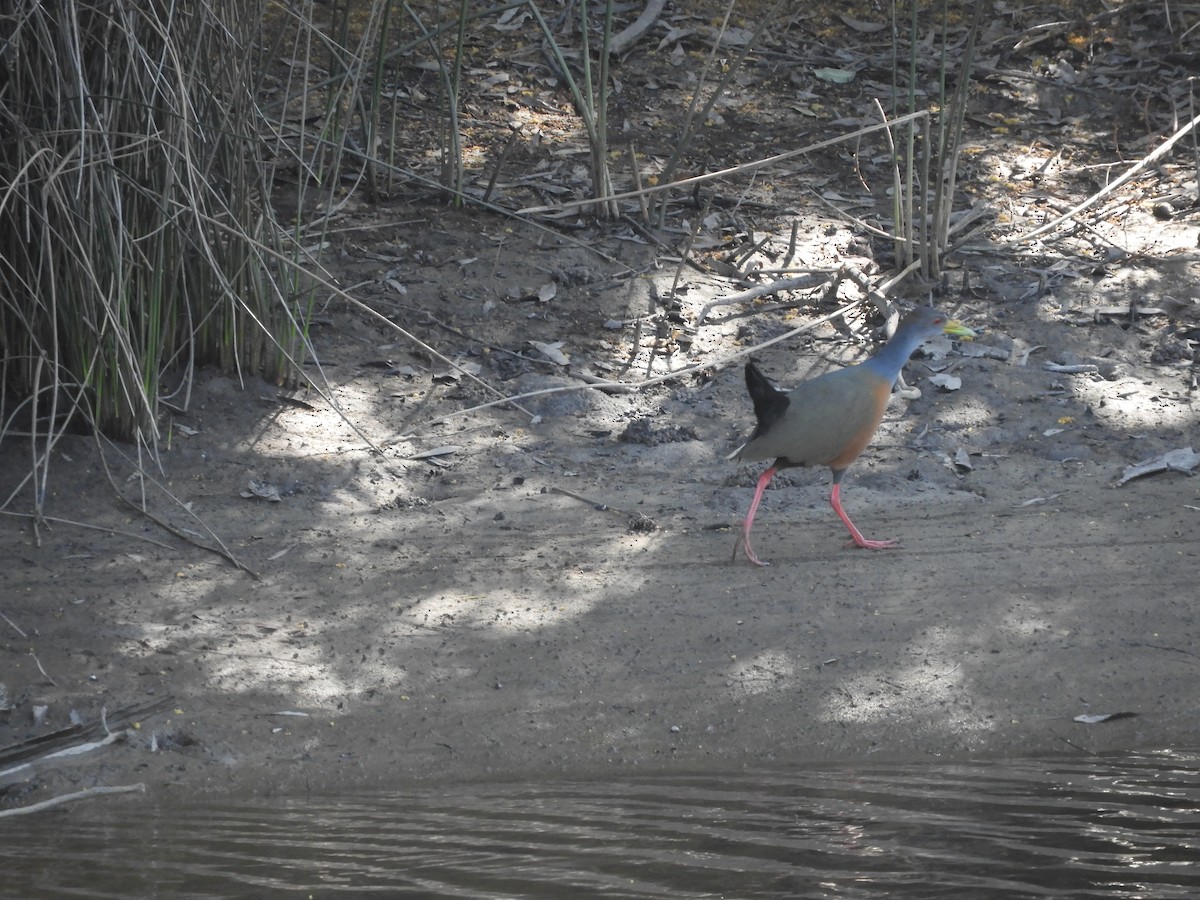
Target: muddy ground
{"type": "Point", "coordinates": [430, 591]}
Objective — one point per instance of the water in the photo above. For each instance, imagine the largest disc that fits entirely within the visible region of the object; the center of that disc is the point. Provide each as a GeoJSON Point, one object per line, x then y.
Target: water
{"type": "Point", "coordinates": [1121, 826]}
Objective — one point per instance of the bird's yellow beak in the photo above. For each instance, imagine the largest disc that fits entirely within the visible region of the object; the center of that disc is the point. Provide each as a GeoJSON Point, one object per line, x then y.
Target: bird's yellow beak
{"type": "Point", "coordinates": [957, 329]}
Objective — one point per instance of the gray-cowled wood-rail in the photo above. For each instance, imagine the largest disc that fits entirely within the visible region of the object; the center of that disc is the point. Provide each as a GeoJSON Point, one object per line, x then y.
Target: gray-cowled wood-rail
{"type": "Point", "coordinates": [829, 420]}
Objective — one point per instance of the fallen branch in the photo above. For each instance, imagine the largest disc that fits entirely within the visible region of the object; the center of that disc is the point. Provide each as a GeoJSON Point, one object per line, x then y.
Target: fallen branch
{"type": "Point", "coordinates": [68, 798]}
{"type": "Point", "coordinates": [594, 504]}
{"type": "Point", "coordinates": [726, 173]}
{"type": "Point", "coordinates": [44, 746]}
{"type": "Point", "coordinates": [1133, 170]}
{"type": "Point", "coordinates": [45, 674]}
{"type": "Point", "coordinates": [623, 387]}
{"type": "Point", "coordinates": [328, 285]}
{"type": "Point", "coordinates": [220, 550]}
{"type": "Point", "coordinates": [15, 626]}
{"type": "Point", "coordinates": [877, 296]}
{"type": "Point", "coordinates": [60, 521]}
{"type": "Point", "coordinates": [637, 521]}
{"type": "Point", "coordinates": [799, 283]}
{"type": "Point", "coordinates": [76, 750]}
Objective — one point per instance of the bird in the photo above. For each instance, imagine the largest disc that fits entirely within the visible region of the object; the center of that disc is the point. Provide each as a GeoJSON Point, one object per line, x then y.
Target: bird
{"type": "Point", "coordinates": [830, 419]}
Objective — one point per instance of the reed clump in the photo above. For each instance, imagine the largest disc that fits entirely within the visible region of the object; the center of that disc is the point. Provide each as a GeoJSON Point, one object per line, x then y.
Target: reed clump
{"type": "Point", "coordinates": [137, 241]}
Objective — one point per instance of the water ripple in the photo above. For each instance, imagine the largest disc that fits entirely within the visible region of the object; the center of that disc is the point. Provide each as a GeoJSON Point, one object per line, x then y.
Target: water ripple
{"type": "Point", "coordinates": [1106, 827]}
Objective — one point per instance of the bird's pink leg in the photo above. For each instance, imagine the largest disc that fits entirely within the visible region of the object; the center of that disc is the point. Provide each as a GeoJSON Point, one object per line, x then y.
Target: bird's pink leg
{"type": "Point", "coordinates": [743, 540]}
{"type": "Point", "coordinates": [836, 501]}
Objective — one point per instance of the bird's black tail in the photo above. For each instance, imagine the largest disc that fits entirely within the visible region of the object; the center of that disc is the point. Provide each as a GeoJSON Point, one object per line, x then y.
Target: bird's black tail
{"type": "Point", "coordinates": [770, 402]}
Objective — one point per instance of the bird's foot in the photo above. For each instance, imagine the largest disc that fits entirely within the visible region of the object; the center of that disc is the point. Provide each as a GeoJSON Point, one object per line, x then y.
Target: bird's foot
{"type": "Point", "coordinates": [743, 543]}
{"type": "Point", "coordinates": [754, 559]}
{"type": "Point", "coordinates": [867, 544]}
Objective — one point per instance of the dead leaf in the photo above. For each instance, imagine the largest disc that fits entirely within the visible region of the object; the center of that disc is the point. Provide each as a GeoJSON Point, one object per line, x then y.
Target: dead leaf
{"type": "Point", "coordinates": [735, 37]}
{"type": "Point", "coordinates": [1035, 501]}
{"type": "Point", "coordinates": [1095, 719]}
{"type": "Point", "coordinates": [862, 27]}
{"type": "Point", "coordinates": [509, 20]}
{"type": "Point", "coordinates": [552, 352]}
{"type": "Point", "coordinates": [1181, 459]}
{"type": "Point", "coordinates": [675, 35]}
{"type": "Point", "coordinates": [834, 76]}
{"type": "Point", "coordinates": [1020, 352]}
{"type": "Point", "coordinates": [437, 451]}
{"type": "Point", "coordinates": [1080, 369]}
{"type": "Point", "coordinates": [946, 382]}
{"type": "Point", "coordinates": [263, 491]}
